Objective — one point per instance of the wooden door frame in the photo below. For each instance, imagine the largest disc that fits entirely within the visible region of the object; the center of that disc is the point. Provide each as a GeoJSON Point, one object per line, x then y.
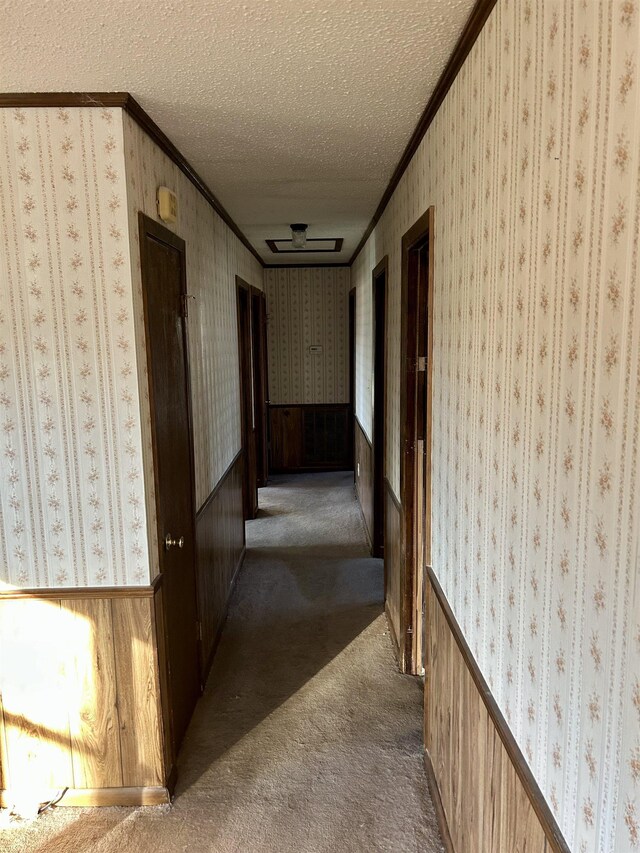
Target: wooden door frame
{"type": "Point", "coordinates": [148, 226]}
{"type": "Point", "coordinates": [249, 501]}
{"type": "Point", "coordinates": [260, 382]}
{"type": "Point", "coordinates": [380, 272]}
{"type": "Point", "coordinates": [415, 398]}
{"type": "Point", "coordinates": [352, 376]}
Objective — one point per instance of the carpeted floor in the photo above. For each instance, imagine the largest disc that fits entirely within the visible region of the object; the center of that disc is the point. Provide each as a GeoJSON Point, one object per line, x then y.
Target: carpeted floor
{"type": "Point", "coordinates": [307, 738]}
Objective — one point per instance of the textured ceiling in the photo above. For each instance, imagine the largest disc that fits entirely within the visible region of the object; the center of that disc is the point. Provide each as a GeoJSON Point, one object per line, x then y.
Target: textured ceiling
{"type": "Point", "coordinates": [290, 111]}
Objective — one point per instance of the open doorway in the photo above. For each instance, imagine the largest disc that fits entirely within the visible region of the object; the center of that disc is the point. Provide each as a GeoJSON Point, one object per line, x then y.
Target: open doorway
{"type": "Point", "coordinates": [260, 383]}
{"type": "Point", "coordinates": [352, 378]}
{"type": "Point", "coordinates": [247, 419]}
{"type": "Point", "coordinates": [415, 433]}
{"type": "Point", "coordinates": [379, 302]}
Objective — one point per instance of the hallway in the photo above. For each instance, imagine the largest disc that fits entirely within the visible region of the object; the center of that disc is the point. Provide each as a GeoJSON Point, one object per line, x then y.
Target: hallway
{"type": "Point", "coordinates": [307, 738]}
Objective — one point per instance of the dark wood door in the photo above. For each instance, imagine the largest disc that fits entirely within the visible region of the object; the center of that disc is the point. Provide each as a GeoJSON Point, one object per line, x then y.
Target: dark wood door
{"type": "Point", "coordinates": [260, 383]}
{"type": "Point", "coordinates": [247, 418]}
{"type": "Point", "coordinates": [415, 434]}
{"type": "Point", "coordinates": [379, 370]}
{"type": "Point", "coordinates": [162, 258]}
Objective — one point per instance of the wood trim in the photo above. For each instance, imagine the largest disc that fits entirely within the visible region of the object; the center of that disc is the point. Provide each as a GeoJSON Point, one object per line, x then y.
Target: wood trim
{"type": "Point", "coordinates": [468, 37]}
{"type": "Point", "coordinates": [64, 99]}
{"type": "Point", "coordinates": [410, 304]}
{"type": "Point", "coordinates": [392, 635]}
{"type": "Point", "coordinates": [548, 822]}
{"type": "Point", "coordinates": [273, 245]}
{"type": "Point", "coordinates": [364, 434]}
{"type": "Point", "coordinates": [379, 283]}
{"type": "Point", "coordinates": [392, 495]}
{"type": "Point", "coordinates": [144, 120]}
{"type": "Point", "coordinates": [438, 808]}
{"type": "Point", "coordinates": [86, 592]}
{"type": "Point", "coordinates": [88, 797]}
{"type": "Point", "coordinates": [362, 517]}
{"type": "Point", "coordinates": [309, 405]}
{"type": "Point", "coordinates": [212, 494]}
{"type": "Point", "coordinates": [344, 265]}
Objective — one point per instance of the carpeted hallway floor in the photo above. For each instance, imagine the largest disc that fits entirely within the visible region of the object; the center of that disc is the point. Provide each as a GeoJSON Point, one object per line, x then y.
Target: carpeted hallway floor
{"type": "Point", "coordinates": [307, 738]}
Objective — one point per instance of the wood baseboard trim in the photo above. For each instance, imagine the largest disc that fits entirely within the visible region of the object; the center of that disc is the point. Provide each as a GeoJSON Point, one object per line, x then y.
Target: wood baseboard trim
{"type": "Point", "coordinates": [394, 639]}
{"type": "Point", "coordinates": [89, 797]}
{"type": "Point", "coordinates": [363, 519]}
{"type": "Point", "coordinates": [216, 642]}
{"type": "Point", "coordinates": [555, 840]}
{"type": "Point", "coordinates": [436, 799]}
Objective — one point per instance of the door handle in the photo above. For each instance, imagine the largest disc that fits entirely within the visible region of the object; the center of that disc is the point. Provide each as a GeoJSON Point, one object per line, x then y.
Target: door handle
{"type": "Point", "coordinates": [172, 543]}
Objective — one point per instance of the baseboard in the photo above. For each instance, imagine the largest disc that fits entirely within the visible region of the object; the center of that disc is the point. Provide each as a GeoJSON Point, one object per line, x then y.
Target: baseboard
{"type": "Point", "coordinates": [89, 797]}
{"type": "Point", "coordinates": [394, 639]}
{"type": "Point", "coordinates": [364, 520]}
{"type": "Point", "coordinates": [436, 799]}
{"type": "Point", "coordinates": [223, 621]}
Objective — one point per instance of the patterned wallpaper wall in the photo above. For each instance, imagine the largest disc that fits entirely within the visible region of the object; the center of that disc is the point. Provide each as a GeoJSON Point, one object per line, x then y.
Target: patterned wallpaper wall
{"type": "Point", "coordinates": [72, 508]}
{"type": "Point", "coordinates": [307, 307]}
{"type": "Point", "coordinates": [533, 165]}
{"type": "Point", "coordinates": [214, 257]}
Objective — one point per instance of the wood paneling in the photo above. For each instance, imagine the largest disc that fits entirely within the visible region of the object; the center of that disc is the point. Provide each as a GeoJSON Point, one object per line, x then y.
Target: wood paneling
{"type": "Point", "coordinates": [310, 437]}
{"type": "Point", "coordinates": [364, 477]}
{"type": "Point", "coordinates": [93, 716]}
{"type": "Point", "coordinates": [393, 568]}
{"type": "Point", "coordinates": [220, 537]}
{"type": "Point", "coordinates": [79, 695]}
{"type": "Point", "coordinates": [488, 795]}
{"type": "Point", "coordinates": [138, 701]}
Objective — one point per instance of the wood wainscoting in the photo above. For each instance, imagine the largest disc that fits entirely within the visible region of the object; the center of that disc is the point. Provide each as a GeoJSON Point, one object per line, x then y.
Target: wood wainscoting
{"type": "Point", "coordinates": [80, 697]}
{"type": "Point", "coordinates": [393, 574]}
{"type": "Point", "coordinates": [220, 538]}
{"type": "Point", "coordinates": [485, 794]}
{"type": "Point", "coordinates": [310, 437]}
{"type": "Point", "coordinates": [363, 458]}
{"type": "Point", "coordinates": [84, 703]}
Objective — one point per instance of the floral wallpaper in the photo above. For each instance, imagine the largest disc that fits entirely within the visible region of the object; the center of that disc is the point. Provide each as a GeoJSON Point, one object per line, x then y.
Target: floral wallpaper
{"type": "Point", "coordinates": [533, 166]}
{"type": "Point", "coordinates": [308, 307]}
{"type": "Point", "coordinates": [72, 507]}
{"type": "Point", "coordinates": [76, 473]}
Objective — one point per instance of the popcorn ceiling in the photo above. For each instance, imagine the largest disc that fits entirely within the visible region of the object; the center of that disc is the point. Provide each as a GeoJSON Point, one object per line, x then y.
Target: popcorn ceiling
{"type": "Point", "coordinates": [289, 111]}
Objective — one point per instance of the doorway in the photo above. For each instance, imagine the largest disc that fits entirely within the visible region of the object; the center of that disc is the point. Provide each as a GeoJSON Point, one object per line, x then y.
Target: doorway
{"type": "Point", "coordinates": [247, 411]}
{"type": "Point", "coordinates": [260, 383]}
{"type": "Point", "coordinates": [415, 432]}
{"type": "Point", "coordinates": [352, 378]}
{"type": "Point", "coordinates": [379, 303]}
{"type": "Point", "coordinates": [162, 259]}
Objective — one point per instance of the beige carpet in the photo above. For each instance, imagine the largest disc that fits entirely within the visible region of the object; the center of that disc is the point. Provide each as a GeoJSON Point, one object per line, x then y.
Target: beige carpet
{"type": "Point", "coordinates": [307, 738]}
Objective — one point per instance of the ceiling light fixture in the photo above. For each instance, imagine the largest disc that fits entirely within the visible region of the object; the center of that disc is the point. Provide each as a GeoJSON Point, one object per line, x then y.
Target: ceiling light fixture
{"type": "Point", "coordinates": [299, 235]}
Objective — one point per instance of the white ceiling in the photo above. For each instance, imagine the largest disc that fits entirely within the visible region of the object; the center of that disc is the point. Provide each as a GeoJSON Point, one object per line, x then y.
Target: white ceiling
{"type": "Point", "coordinates": [290, 111]}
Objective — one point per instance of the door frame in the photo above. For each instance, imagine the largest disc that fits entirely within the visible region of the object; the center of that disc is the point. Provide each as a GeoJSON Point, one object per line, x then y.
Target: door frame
{"type": "Point", "coordinates": [415, 433]}
{"type": "Point", "coordinates": [246, 375]}
{"type": "Point", "coordinates": [258, 321]}
{"type": "Point", "coordinates": [352, 377]}
{"type": "Point", "coordinates": [148, 226]}
{"type": "Point", "coordinates": [379, 286]}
